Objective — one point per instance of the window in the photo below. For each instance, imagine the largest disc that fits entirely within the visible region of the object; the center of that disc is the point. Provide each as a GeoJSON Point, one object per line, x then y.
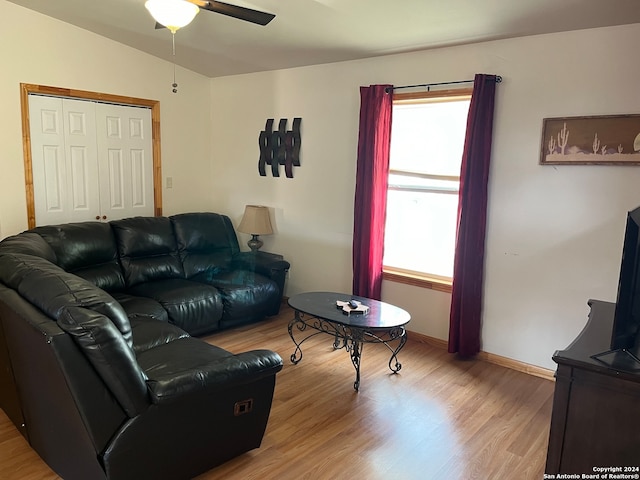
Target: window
{"type": "Point", "coordinates": [427, 140]}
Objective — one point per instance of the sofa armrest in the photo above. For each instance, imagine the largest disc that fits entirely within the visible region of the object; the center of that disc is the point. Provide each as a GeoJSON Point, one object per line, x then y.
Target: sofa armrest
{"type": "Point", "coordinates": [270, 265]}
{"type": "Point", "coordinates": [190, 366]}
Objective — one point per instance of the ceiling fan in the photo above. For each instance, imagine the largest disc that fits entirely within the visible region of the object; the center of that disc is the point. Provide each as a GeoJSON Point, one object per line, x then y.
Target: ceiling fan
{"type": "Point", "coordinates": [235, 11]}
{"type": "Point", "coordinates": [160, 8]}
{"type": "Point", "coordinates": [175, 14]}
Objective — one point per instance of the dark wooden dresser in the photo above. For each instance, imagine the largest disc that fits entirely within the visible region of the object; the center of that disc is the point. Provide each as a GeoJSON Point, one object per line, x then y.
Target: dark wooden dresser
{"type": "Point", "coordinates": [596, 406]}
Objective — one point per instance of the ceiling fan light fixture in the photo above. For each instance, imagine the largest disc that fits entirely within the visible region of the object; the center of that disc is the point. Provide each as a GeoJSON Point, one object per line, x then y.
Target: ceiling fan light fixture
{"type": "Point", "coordinates": [173, 14]}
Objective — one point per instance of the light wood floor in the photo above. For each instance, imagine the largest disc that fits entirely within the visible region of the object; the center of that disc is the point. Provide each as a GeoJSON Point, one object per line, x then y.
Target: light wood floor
{"type": "Point", "coordinates": [439, 418]}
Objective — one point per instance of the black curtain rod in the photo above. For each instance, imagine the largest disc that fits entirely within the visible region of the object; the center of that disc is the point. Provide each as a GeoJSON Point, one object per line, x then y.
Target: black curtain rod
{"type": "Point", "coordinates": [498, 79]}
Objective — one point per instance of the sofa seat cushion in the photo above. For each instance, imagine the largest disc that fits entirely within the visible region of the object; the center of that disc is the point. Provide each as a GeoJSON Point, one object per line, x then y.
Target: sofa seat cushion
{"type": "Point", "coordinates": [192, 306]}
{"type": "Point", "coordinates": [141, 306]}
{"type": "Point", "coordinates": [149, 333]}
{"type": "Point", "coordinates": [247, 296]}
{"type": "Point", "coordinates": [199, 367]}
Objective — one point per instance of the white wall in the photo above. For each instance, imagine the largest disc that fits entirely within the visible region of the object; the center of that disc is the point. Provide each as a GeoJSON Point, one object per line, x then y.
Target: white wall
{"type": "Point", "coordinates": [554, 232]}
{"type": "Point", "coordinates": [40, 50]}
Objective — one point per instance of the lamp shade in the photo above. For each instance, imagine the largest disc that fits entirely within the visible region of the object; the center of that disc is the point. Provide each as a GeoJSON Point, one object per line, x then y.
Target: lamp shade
{"type": "Point", "coordinates": [173, 14]}
{"type": "Point", "coordinates": [256, 221]}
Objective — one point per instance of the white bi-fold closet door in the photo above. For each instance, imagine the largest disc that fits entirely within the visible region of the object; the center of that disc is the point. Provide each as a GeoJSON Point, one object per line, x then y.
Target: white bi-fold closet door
{"type": "Point", "coordinates": [90, 160]}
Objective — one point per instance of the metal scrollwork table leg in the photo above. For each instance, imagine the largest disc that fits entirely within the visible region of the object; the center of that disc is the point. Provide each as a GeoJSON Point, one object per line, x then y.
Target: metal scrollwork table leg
{"type": "Point", "coordinates": [350, 338]}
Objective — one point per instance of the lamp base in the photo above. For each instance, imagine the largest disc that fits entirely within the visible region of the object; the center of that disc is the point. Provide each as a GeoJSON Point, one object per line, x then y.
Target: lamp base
{"type": "Point", "coordinates": [255, 243]}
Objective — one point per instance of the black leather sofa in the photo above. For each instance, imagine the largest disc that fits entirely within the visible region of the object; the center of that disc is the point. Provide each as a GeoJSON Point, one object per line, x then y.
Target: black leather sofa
{"type": "Point", "coordinates": [99, 368]}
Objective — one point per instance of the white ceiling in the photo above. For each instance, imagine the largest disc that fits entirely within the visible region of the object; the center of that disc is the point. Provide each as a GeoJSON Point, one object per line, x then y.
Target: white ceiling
{"type": "Point", "coordinates": [308, 32]}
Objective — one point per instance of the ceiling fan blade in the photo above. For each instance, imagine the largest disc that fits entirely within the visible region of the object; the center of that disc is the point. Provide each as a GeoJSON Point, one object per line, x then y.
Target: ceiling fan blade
{"type": "Point", "coordinates": [235, 11]}
{"type": "Point", "coordinates": [159, 26]}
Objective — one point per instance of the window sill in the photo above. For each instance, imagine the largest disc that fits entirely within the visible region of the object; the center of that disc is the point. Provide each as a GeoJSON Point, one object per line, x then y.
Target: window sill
{"type": "Point", "coordinates": [417, 280]}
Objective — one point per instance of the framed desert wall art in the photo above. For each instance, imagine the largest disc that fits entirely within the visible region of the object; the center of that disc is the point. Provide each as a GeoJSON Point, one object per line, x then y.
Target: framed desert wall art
{"type": "Point", "coordinates": [596, 140]}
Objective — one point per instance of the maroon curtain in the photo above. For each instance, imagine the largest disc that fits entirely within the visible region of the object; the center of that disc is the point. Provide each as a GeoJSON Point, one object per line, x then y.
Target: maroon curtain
{"type": "Point", "coordinates": [468, 269]}
{"type": "Point", "coordinates": [376, 104]}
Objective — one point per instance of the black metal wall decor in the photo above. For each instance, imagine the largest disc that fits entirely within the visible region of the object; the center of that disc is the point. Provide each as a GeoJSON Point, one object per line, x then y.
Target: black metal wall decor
{"type": "Point", "coordinates": [279, 147]}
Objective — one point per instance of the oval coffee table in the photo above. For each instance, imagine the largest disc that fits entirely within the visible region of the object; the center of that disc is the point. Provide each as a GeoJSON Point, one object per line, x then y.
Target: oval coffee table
{"type": "Point", "coordinates": [317, 312]}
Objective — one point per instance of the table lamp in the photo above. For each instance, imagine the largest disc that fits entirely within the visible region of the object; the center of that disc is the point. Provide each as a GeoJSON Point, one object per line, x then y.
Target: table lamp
{"type": "Point", "coordinates": [255, 221]}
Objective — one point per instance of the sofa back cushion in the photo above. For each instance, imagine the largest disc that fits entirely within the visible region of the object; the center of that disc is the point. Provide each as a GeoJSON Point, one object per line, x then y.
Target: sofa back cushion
{"type": "Point", "coordinates": [86, 249]}
{"type": "Point", "coordinates": [51, 289]}
{"type": "Point", "coordinates": [206, 242]}
{"type": "Point", "coordinates": [147, 249]}
{"type": "Point", "coordinates": [28, 243]}
{"type": "Point", "coordinates": [107, 351]}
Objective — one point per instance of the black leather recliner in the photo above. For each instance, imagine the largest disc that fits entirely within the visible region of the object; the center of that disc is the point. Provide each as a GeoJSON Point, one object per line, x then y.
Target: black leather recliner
{"type": "Point", "coordinates": [99, 370]}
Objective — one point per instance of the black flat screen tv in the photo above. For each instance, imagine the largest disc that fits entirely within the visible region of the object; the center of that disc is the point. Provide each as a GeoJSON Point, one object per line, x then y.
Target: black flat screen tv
{"type": "Point", "coordinates": [625, 335]}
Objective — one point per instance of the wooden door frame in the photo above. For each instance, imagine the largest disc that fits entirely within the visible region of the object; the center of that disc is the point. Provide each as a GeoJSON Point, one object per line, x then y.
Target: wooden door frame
{"type": "Point", "coordinates": [154, 105]}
